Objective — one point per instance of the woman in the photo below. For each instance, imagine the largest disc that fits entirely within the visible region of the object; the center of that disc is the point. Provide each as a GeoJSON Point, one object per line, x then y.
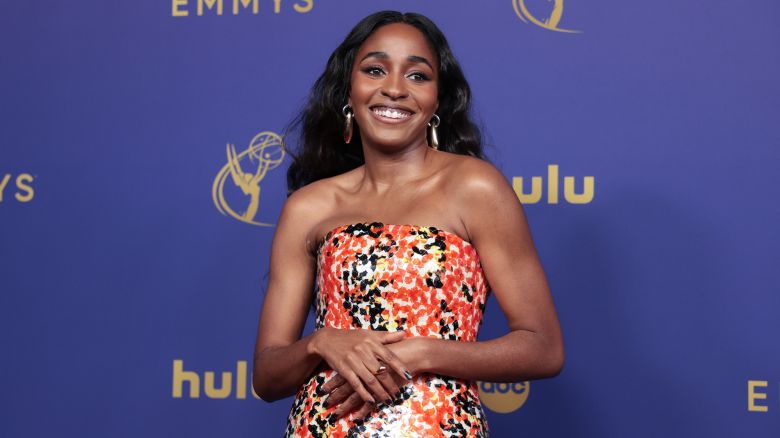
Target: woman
{"type": "Point", "coordinates": [389, 161]}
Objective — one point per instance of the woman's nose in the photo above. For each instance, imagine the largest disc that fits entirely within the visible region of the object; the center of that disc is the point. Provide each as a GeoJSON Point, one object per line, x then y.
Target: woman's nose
{"type": "Point", "coordinates": [394, 87]}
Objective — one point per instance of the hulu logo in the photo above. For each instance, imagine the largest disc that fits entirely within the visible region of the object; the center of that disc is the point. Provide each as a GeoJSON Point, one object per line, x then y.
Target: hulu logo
{"type": "Point", "coordinates": [553, 182]}
{"type": "Point", "coordinates": [210, 388]}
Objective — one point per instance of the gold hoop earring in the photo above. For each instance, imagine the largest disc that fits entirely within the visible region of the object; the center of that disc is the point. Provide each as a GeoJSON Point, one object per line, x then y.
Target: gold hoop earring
{"type": "Point", "coordinates": [348, 114]}
{"type": "Point", "coordinates": [433, 136]}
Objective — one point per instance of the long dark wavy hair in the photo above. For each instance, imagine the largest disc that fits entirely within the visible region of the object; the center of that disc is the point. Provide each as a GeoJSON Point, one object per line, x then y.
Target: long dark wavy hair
{"type": "Point", "coordinates": [322, 152]}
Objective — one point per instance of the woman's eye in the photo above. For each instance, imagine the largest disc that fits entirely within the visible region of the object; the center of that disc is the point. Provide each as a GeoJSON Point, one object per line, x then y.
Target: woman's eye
{"type": "Point", "coordinates": [417, 76]}
{"type": "Point", "coordinates": [373, 71]}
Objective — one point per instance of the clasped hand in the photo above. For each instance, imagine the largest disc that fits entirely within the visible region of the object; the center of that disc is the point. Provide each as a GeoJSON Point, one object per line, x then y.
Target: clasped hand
{"type": "Point", "coordinates": [368, 371]}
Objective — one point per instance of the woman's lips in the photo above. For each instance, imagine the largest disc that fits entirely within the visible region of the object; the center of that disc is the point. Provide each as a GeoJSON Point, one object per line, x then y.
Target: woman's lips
{"type": "Point", "coordinates": [390, 114]}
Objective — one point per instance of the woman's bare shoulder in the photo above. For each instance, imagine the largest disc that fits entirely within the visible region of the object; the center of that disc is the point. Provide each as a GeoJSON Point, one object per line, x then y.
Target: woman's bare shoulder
{"type": "Point", "coordinates": [310, 206]}
{"type": "Point", "coordinates": [473, 176]}
{"type": "Point", "coordinates": [321, 195]}
{"type": "Point", "coordinates": [480, 193]}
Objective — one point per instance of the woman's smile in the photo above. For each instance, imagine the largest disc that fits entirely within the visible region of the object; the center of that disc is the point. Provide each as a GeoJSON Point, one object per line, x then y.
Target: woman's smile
{"type": "Point", "coordinates": [391, 113]}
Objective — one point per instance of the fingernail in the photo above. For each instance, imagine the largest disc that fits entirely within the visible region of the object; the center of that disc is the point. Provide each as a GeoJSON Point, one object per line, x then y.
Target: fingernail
{"type": "Point", "coordinates": [326, 404]}
{"type": "Point", "coordinates": [321, 392]}
{"type": "Point", "coordinates": [371, 400]}
{"type": "Point", "coordinates": [408, 375]}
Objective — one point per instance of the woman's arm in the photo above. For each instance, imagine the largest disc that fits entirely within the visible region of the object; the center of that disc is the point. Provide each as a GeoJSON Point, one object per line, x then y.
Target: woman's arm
{"type": "Point", "coordinates": [282, 360]}
{"type": "Point", "coordinates": [497, 227]}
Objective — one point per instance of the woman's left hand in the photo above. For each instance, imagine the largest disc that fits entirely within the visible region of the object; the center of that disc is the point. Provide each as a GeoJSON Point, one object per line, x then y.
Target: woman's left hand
{"type": "Point", "coordinates": [341, 394]}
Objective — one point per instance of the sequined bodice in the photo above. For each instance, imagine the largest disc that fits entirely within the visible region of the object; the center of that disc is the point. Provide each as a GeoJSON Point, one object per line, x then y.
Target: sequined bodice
{"type": "Point", "coordinates": [422, 280]}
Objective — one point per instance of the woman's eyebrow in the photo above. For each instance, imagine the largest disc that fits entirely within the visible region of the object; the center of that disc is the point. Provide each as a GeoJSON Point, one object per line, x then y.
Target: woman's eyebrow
{"type": "Point", "coordinates": [381, 55]}
{"type": "Point", "coordinates": [411, 58]}
{"type": "Point", "coordinates": [419, 60]}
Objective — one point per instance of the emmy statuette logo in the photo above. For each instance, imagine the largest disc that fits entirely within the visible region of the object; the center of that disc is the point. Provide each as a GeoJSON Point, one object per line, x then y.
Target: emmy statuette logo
{"type": "Point", "coordinates": [504, 398]}
{"type": "Point", "coordinates": [245, 171]}
{"type": "Point", "coordinates": [549, 23]}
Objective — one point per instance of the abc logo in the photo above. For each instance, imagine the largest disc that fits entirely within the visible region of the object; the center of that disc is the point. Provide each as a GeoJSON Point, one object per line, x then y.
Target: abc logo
{"type": "Point", "coordinates": [504, 397]}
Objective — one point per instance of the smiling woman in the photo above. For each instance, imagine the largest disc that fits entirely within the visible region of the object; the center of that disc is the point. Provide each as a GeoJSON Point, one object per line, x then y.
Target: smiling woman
{"type": "Point", "coordinates": [403, 230]}
{"type": "Point", "coordinates": [394, 86]}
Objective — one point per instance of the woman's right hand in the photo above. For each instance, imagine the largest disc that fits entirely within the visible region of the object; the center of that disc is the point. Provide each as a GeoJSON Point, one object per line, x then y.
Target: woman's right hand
{"type": "Point", "coordinates": [357, 354]}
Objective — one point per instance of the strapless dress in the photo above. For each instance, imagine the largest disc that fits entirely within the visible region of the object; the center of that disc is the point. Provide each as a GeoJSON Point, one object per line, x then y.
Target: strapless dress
{"type": "Point", "coordinates": [422, 280]}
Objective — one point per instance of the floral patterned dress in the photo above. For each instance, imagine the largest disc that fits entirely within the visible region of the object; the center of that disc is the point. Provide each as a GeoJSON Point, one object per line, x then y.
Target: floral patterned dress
{"type": "Point", "coordinates": [425, 281]}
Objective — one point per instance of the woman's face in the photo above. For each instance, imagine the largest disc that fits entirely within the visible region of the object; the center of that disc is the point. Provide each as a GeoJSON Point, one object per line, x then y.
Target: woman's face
{"type": "Point", "coordinates": [394, 87]}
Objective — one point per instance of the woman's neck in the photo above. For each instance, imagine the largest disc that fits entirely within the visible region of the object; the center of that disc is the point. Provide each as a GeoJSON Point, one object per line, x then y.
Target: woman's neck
{"type": "Point", "coordinates": [384, 171]}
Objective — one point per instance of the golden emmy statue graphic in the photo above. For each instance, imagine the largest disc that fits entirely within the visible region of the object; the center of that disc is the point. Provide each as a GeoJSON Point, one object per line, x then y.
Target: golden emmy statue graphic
{"type": "Point", "coordinates": [550, 23]}
{"type": "Point", "coordinates": [265, 152]}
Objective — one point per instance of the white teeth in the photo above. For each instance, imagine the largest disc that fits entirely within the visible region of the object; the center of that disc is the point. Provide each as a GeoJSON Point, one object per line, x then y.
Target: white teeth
{"type": "Point", "coordinates": [391, 113]}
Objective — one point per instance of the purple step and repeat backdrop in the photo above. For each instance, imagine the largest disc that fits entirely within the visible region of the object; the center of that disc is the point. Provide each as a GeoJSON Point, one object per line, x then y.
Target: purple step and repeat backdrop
{"type": "Point", "coordinates": [141, 175]}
